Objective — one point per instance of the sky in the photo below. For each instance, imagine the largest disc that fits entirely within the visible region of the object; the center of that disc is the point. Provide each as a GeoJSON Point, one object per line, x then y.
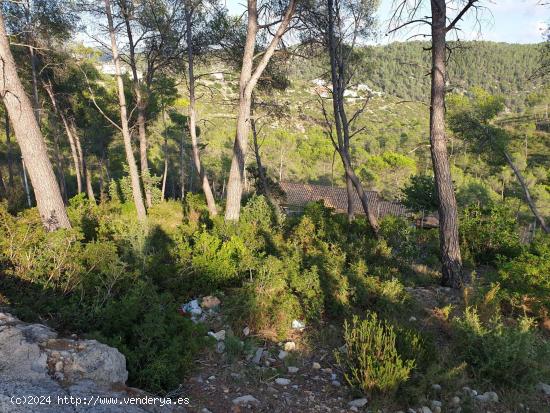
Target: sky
{"type": "Point", "coordinates": [510, 21]}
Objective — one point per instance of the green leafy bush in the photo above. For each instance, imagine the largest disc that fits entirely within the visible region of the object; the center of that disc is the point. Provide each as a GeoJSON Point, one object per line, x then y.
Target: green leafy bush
{"type": "Point", "coordinates": [265, 303]}
{"type": "Point", "coordinates": [159, 344]}
{"type": "Point", "coordinates": [525, 279]}
{"type": "Point", "coordinates": [371, 361]}
{"type": "Point", "coordinates": [500, 354]}
{"type": "Point", "coordinates": [489, 232]}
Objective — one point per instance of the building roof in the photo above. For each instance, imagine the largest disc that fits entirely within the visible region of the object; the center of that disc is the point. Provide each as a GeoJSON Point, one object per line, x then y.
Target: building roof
{"type": "Point", "coordinates": [298, 195]}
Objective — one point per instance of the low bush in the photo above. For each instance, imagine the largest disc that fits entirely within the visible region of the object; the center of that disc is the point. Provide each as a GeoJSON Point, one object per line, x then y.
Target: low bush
{"type": "Point", "coordinates": [525, 279]}
{"type": "Point", "coordinates": [371, 361]}
{"type": "Point", "coordinates": [489, 232]}
{"type": "Point", "coordinates": [499, 354]}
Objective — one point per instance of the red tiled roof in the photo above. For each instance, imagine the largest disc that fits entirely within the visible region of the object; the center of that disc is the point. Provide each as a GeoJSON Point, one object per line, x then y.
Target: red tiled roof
{"type": "Point", "coordinates": [336, 197]}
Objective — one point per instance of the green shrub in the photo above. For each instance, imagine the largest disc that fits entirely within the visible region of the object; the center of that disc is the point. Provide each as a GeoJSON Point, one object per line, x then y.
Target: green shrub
{"type": "Point", "coordinates": [525, 280]}
{"type": "Point", "coordinates": [487, 233]}
{"type": "Point", "coordinates": [499, 354]}
{"type": "Point", "coordinates": [159, 344]}
{"type": "Point", "coordinates": [371, 361]}
{"type": "Point", "coordinates": [266, 304]}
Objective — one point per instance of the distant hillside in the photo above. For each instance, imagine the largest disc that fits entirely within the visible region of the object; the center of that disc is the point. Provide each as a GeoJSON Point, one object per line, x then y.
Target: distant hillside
{"type": "Point", "coordinates": [401, 69]}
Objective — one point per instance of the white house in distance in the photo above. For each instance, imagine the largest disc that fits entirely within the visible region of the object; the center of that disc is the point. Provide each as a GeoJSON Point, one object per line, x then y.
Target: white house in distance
{"type": "Point", "coordinates": [108, 68]}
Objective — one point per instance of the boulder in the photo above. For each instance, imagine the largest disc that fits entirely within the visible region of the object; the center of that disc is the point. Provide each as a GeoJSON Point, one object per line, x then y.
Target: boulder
{"type": "Point", "coordinates": [34, 361]}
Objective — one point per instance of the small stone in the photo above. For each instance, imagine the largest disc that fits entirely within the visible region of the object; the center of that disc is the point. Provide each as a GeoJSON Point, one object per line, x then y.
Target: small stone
{"type": "Point", "coordinates": [246, 331]}
{"type": "Point", "coordinates": [210, 302]}
{"type": "Point", "coordinates": [436, 409]}
{"type": "Point", "coordinates": [486, 397]}
{"type": "Point", "coordinates": [289, 346]}
{"type": "Point", "coordinates": [298, 325]}
{"type": "Point", "coordinates": [59, 366]}
{"type": "Point", "coordinates": [211, 378]}
{"type": "Point", "coordinates": [316, 366]}
{"type": "Point", "coordinates": [245, 400]}
{"type": "Point", "coordinates": [336, 383]}
{"type": "Point", "coordinates": [327, 370]}
{"type": "Point", "coordinates": [436, 403]}
{"type": "Point", "coordinates": [205, 410]}
{"type": "Point", "coordinates": [267, 363]}
{"type": "Point", "coordinates": [436, 387]}
{"type": "Point", "coordinates": [455, 401]}
{"type": "Point", "coordinates": [220, 347]}
{"type": "Point", "coordinates": [282, 381]}
{"type": "Point", "coordinates": [282, 355]}
{"type": "Point", "coordinates": [358, 402]}
{"type": "Point", "coordinates": [412, 319]}
{"type": "Point", "coordinates": [219, 336]}
{"type": "Point", "coordinates": [258, 356]}
{"type": "Point", "coordinates": [425, 409]}
{"type": "Point", "coordinates": [333, 376]}
{"type": "Point", "coordinates": [354, 409]}
{"type": "Point", "coordinates": [292, 369]}
{"type": "Point", "coordinates": [483, 398]}
{"type": "Point", "coordinates": [544, 388]}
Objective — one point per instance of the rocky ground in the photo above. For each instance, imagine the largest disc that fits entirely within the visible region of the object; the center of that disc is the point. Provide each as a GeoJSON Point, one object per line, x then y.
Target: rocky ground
{"type": "Point", "coordinates": [40, 372]}
{"type": "Point", "coordinates": [286, 377]}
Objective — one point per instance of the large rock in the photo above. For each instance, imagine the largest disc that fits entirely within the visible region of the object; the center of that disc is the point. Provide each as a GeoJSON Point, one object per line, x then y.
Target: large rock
{"type": "Point", "coordinates": [35, 362]}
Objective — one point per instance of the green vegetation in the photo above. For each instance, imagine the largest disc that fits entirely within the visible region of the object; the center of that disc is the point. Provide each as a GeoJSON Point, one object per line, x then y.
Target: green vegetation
{"type": "Point", "coordinates": [371, 360]}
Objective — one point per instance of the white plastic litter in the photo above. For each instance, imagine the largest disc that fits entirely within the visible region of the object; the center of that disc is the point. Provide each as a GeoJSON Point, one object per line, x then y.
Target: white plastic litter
{"type": "Point", "coordinates": [298, 325]}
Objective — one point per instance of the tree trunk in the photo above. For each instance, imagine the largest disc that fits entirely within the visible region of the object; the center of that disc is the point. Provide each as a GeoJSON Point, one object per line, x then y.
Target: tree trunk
{"type": "Point", "coordinates": [30, 139]}
{"type": "Point", "coordinates": [165, 154]}
{"type": "Point", "coordinates": [349, 190]}
{"type": "Point", "coordinates": [86, 173]}
{"type": "Point", "coordinates": [340, 119]}
{"type": "Point", "coordinates": [527, 194]}
{"type": "Point", "coordinates": [59, 159]}
{"type": "Point", "coordinates": [247, 82]}
{"type": "Point", "coordinates": [141, 108]}
{"type": "Point", "coordinates": [211, 203]}
{"type": "Point", "coordinates": [448, 216]}
{"type": "Point", "coordinates": [261, 172]}
{"type": "Point", "coordinates": [34, 72]}
{"type": "Point", "coordinates": [182, 168]}
{"type": "Point", "coordinates": [134, 175]}
{"type": "Point", "coordinates": [74, 153]}
{"type": "Point", "coordinates": [8, 144]}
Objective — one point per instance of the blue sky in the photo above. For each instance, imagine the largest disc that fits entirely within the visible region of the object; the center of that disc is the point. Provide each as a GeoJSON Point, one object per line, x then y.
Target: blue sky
{"type": "Point", "coordinates": [511, 21]}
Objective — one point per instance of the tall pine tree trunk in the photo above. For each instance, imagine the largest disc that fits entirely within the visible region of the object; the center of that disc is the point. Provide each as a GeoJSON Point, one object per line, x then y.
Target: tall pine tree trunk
{"type": "Point", "coordinates": [8, 144]}
{"type": "Point", "coordinates": [247, 81]}
{"type": "Point", "coordinates": [448, 215]}
{"type": "Point", "coordinates": [526, 193]}
{"type": "Point", "coordinates": [140, 106]}
{"type": "Point", "coordinates": [134, 174]}
{"type": "Point", "coordinates": [211, 203]}
{"type": "Point", "coordinates": [30, 139]}
{"type": "Point", "coordinates": [341, 123]}
{"type": "Point", "coordinates": [76, 162]}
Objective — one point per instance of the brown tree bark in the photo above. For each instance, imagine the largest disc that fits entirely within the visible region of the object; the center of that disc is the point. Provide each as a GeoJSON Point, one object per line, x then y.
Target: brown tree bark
{"type": "Point", "coordinates": [349, 191]}
{"type": "Point", "coordinates": [86, 173]}
{"type": "Point", "coordinates": [140, 105]}
{"type": "Point", "coordinates": [448, 215]}
{"type": "Point", "coordinates": [76, 162]}
{"type": "Point", "coordinates": [8, 144]}
{"type": "Point", "coordinates": [264, 190]}
{"type": "Point", "coordinates": [134, 175]}
{"type": "Point", "coordinates": [30, 139]}
{"type": "Point", "coordinates": [211, 203]}
{"type": "Point", "coordinates": [59, 159]}
{"type": "Point", "coordinates": [248, 79]}
{"type": "Point", "coordinates": [341, 124]}
{"type": "Point", "coordinates": [526, 193]}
